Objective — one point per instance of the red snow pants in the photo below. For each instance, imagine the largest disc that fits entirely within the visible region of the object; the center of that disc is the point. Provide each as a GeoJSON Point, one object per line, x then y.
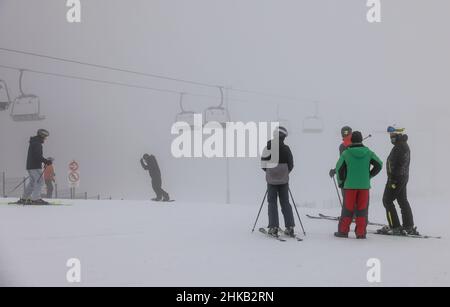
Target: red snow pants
{"type": "Point", "coordinates": [356, 203]}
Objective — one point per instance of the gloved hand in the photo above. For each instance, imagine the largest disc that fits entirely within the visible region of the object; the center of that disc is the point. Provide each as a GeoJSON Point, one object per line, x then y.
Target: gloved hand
{"type": "Point", "coordinates": [392, 184]}
{"type": "Point", "coordinates": [47, 162]}
{"type": "Point", "coordinates": [332, 172]}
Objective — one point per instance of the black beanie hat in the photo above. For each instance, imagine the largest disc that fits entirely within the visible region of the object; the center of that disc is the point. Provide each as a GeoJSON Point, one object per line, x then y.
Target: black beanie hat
{"type": "Point", "coordinates": [357, 137]}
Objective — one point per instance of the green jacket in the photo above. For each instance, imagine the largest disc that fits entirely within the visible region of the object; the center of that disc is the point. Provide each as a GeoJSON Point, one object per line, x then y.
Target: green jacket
{"type": "Point", "coordinates": [354, 167]}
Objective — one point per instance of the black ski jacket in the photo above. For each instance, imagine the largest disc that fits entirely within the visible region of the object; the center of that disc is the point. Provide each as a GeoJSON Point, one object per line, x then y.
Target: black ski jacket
{"type": "Point", "coordinates": [285, 155]}
{"type": "Point", "coordinates": [151, 165]}
{"type": "Point", "coordinates": [35, 156]}
{"type": "Point", "coordinates": [399, 160]}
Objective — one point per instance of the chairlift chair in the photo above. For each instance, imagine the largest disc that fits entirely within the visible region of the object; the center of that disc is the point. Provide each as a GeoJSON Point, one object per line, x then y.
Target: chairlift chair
{"type": "Point", "coordinates": [313, 124]}
{"type": "Point", "coordinates": [5, 99]}
{"type": "Point", "coordinates": [218, 113]}
{"type": "Point", "coordinates": [184, 115]}
{"type": "Point", "coordinates": [26, 107]}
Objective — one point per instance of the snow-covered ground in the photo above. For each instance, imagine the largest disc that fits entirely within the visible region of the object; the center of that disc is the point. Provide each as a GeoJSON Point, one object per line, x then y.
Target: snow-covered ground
{"type": "Point", "coordinates": [142, 243]}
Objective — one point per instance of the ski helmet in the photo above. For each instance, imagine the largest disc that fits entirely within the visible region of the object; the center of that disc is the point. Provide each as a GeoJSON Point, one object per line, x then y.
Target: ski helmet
{"type": "Point", "coordinates": [346, 131]}
{"type": "Point", "coordinates": [281, 131]}
{"type": "Point", "coordinates": [43, 133]}
{"type": "Point", "coordinates": [394, 130]}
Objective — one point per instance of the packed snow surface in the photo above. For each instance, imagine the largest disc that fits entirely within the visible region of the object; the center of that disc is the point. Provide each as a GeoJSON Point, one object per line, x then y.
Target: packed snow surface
{"type": "Point", "coordinates": [144, 243]}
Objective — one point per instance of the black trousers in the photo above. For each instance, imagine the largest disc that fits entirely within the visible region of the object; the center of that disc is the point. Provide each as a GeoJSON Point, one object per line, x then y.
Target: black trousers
{"type": "Point", "coordinates": [160, 193]}
{"type": "Point", "coordinates": [401, 195]}
{"type": "Point", "coordinates": [281, 191]}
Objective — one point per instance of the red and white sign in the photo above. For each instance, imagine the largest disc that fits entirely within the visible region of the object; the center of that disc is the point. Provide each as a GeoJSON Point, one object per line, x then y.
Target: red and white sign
{"type": "Point", "coordinates": [73, 166]}
{"type": "Point", "coordinates": [74, 175]}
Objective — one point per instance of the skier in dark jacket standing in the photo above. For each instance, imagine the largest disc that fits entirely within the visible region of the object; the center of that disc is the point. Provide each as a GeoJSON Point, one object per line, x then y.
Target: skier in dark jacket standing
{"type": "Point", "coordinates": [35, 159]}
{"type": "Point", "coordinates": [398, 164]}
{"type": "Point", "coordinates": [355, 168]}
{"type": "Point", "coordinates": [150, 164]}
{"type": "Point", "coordinates": [277, 178]}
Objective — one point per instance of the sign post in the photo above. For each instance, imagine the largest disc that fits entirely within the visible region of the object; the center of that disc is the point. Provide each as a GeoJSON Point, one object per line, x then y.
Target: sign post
{"type": "Point", "coordinates": [73, 177]}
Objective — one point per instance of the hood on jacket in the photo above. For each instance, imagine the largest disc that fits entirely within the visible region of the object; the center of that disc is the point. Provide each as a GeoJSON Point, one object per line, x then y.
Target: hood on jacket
{"type": "Point", "coordinates": [358, 151]}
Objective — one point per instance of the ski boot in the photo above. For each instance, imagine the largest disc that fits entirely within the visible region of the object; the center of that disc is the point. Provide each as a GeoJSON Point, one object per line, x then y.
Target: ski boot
{"type": "Point", "coordinates": [361, 237]}
{"type": "Point", "coordinates": [411, 231]}
{"type": "Point", "coordinates": [339, 234]}
{"type": "Point", "coordinates": [397, 231]}
{"type": "Point", "coordinates": [273, 231]}
{"type": "Point", "coordinates": [384, 231]}
{"type": "Point", "coordinates": [40, 202]}
{"type": "Point", "coordinates": [157, 199]}
{"type": "Point", "coordinates": [289, 231]}
{"type": "Point", "coordinates": [22, 201]}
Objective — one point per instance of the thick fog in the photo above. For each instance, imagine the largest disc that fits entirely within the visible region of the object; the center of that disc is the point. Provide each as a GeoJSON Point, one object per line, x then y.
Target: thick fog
{"type": "Point", "coordinates": [364, 75]}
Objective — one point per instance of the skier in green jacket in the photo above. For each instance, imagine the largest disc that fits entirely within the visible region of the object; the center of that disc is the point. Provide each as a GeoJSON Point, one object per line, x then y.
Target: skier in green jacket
{"type": "Point", "coordinates": [355, 168]}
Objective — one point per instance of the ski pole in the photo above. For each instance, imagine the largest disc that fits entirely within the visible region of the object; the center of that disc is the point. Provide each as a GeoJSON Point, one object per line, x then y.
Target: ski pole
{"type": "Point", "coordinates": [262, 204]}
{"type": "Point", "coordinates": [42, 174]}
{"type": "Point", "coordinates": [337, 191]}
{"type": "Point", "coordinates": [22, 182]}
{"type": "Point", "coordinates": [298, 215]}
{"type": "Point", "coordinates": [369, 136]}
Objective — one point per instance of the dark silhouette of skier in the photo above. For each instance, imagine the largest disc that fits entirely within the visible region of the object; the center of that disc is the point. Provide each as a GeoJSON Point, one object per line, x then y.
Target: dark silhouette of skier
{"type": "Point", "coordinates": [150, 164]}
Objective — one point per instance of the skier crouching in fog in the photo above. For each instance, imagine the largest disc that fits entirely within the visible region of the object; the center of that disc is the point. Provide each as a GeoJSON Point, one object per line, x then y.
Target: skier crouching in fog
{"type": "Point", "coordinates": [354, 174]}
{"type": "Point", "coordinates": [278, 183]}
{"type": "Point", "coordinates": [397, 167]}
{"type": "Point", "coordinates": [150, 164]}
{"type": "Point", "coordinates": [35, 159]}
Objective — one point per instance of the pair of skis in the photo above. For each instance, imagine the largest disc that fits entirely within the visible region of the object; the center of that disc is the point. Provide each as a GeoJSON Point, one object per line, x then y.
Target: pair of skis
{"type": "Point", "coordinates": [334, 218]}
{"type": "Point", "coordinates": [280, 238]}
{"type": "Point", "coordinates": [34, 205]}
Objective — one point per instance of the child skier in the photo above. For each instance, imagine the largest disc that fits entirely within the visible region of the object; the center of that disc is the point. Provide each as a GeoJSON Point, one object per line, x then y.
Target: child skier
{"type": "Point", "coordinates": [49, 177]}
{"type": "Point", "coordinates": [354, 174]}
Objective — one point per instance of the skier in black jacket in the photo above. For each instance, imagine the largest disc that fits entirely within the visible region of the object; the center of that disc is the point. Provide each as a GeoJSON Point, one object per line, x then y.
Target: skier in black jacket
{"type": "Point", "coordinates": [397, 167]}
{"type": "Point", "coordinates": [150, 164]}
{"type": "Point", "coordinates": [278, 183]}
{"type": "Point", "coordinates": [35, 159]}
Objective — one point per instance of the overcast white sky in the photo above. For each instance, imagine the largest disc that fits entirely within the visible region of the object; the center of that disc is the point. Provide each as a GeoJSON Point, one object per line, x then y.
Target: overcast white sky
{"type": "Point", "coordinates": [365, 75]}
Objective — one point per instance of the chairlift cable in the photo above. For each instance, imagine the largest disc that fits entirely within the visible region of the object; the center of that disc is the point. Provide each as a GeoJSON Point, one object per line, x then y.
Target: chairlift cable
{"type": "Point", "coordinates": [114, 83]}
{"type": "Point", "coordinates": [158, 76]}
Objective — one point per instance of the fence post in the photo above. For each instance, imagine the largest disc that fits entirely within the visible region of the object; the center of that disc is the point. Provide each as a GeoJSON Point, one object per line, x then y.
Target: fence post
{"type": "Point", "coordinates": [56, 190]}
{"type": "Point", "coordinates": [98, 197]}
{"type": "Point", "coordinates": [85, 195]}
{"type": "Point", "coordinates": [4, 184]}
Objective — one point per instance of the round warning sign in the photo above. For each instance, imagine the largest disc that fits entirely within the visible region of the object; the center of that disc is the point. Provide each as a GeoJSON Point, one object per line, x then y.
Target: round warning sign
{"type": "Point", "coordinates": [73, 166]}
{"type": "Point", "coordinates": [74, 177]}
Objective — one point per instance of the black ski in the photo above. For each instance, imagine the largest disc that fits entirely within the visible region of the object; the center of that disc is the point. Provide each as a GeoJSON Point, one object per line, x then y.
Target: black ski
{"type": "Point", "coordinates": [34, 205]}
{"type": "Point", "coordinates": [406, 236]}
{"type": "Point", "coordinates": [293, 237]}
{"type": "Point", "coordinates": [264, 231]}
